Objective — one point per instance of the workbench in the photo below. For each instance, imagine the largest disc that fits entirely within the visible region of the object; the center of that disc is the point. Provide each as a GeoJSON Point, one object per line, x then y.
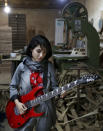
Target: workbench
{"type": "Point", "coordinates": [15, 61]}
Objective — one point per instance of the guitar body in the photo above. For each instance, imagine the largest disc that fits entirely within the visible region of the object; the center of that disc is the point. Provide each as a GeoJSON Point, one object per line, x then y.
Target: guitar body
{"type": "Point", "coordinates": [17, 120]}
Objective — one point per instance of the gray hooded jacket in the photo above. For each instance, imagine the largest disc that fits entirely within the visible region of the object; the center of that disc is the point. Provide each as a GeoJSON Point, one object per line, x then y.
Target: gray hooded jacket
{"type": "Point", "coordinates": [20, 85]}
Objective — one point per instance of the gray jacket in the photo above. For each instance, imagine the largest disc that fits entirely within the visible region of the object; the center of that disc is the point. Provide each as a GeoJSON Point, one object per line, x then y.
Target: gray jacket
{"type": "Point", "coordinates": [20, 85]}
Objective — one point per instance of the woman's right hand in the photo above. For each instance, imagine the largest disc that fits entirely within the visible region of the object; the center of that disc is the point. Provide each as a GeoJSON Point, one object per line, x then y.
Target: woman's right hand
{"type": "Point", "coordinates": [20, 106]}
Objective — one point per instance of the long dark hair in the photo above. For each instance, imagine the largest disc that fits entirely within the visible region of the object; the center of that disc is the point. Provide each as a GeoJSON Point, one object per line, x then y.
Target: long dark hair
{"type": "Point", "coordinates": [43, 42]}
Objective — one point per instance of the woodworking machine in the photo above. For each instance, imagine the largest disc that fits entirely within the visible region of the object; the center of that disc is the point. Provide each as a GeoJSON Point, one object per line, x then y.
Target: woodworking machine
{"type": "Point", "coordinates": [75, 37]}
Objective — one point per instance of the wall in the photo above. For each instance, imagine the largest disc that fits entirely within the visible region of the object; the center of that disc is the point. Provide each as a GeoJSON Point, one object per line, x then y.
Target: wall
{"type": "Point", "coordinates": [37, 21]}
{"type": "Point", "coordinates": [94, 7]}
{"type": "Point", "coordinates": [40, 21]}
{"type": "Point", "coordinates": [3, 18]}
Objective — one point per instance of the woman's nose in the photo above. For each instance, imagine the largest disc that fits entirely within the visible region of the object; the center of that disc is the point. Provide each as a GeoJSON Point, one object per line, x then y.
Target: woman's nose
{"type": "Point", "coordinates": [41, 54]}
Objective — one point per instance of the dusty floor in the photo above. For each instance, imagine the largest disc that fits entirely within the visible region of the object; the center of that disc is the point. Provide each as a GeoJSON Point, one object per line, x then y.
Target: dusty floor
{"type": "Point", "coordinates": [5, 78]}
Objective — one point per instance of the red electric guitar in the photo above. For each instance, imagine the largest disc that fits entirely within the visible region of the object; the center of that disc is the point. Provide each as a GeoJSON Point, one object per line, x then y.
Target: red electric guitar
{"type": "Point", "coordinates": [16, 120]}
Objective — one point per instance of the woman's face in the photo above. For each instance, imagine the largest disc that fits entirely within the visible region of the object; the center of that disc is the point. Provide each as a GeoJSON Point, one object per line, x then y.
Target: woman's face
{"type": "Point", "coordinates": [38, 53]}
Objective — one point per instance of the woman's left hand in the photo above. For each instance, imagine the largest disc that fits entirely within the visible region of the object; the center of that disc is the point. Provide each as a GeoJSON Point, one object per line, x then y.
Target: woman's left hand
{"type": "Point", "coordinates": [63, 94]}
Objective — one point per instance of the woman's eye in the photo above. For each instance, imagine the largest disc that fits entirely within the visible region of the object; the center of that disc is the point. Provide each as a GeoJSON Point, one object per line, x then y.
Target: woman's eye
{"type": "Point", "coordinates": [38, 51]}
{"type": "Point", "coordinates": [44, 52]}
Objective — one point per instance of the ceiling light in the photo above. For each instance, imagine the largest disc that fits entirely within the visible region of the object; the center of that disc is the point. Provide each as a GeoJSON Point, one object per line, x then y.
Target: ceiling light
{"type": "Point", "coordinates": [62, 0]}
{"type": "Point", "coordinates": [7, 9]}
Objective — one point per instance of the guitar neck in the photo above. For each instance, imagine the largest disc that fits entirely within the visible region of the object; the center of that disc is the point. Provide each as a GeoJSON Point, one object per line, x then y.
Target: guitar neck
{"type": "Point", "coordinates": [83, 80]}
{"type": "Point", "coordinates": [53, 93]}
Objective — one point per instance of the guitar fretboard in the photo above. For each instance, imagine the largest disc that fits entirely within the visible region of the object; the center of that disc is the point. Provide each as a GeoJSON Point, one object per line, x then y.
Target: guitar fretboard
{"type": "Point", "coordinates": [53, 93]}
{"type": "Point", "coordinates": [57, 91]}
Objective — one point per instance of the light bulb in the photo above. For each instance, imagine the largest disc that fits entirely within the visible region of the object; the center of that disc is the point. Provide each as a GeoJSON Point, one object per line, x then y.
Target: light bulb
{"type": "Point", "coordinates": [62, 0]}
{"type": "Point", "coordinates": [7, 9]}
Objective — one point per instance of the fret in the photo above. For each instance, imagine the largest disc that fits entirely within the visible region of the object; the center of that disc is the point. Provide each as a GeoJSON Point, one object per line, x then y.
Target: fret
{"type": "Point", "coordinates": [41, 97]}
{"type": "Point", "coordinates": [75, 82]}
{"type": "Point", "coordinates": [44, 97]}
{"type": "Point", "coordinates": [49, 96]}
{"type": "Point", "coordinates": [72, 84]}
{"type": "Point", "coordinates": [31, 102]}
{"type": "Point", "coordinates": [59, 90]}
{"type": "Point", "coordinates": [66, 87]}
{"type": "Point", "coordinates": [62, 88]}
{"type": "Point", "coordinates": [55, 92]}
{"type": "Point", "coordinates": [51, 93]}
{"type": "Point", "coordinates": [35, 101]}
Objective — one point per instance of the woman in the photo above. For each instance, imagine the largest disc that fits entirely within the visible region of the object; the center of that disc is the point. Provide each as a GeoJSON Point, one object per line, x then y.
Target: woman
{"type": "Point", "coordinates": [34, 66]}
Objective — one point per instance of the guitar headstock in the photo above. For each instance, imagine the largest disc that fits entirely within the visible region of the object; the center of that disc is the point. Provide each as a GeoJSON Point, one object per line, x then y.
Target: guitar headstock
{"type": "Point", "coordinates": [88, 78]}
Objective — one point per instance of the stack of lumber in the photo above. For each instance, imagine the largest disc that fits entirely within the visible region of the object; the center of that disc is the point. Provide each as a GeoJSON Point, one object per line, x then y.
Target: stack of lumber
{"type": "Point", "coordinates": [81, 110]}
{"type": "Point", "coordinates": [5, 46]}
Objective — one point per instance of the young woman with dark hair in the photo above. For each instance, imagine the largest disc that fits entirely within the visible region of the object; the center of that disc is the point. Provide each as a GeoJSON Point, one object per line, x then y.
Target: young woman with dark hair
{"type": "Point", "coordinates": [35, 71]}
{"type": "Point", "coordinates": [43, 42]}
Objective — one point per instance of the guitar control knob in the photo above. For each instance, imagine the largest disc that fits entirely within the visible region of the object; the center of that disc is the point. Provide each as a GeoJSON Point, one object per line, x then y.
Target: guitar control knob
{"type": "Point", "coordinates": [19, 124]}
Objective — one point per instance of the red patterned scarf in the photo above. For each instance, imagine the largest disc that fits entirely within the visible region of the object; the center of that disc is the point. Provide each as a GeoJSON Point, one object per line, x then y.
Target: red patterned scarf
{"type": "Point", "coordinates": [36, 80]}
